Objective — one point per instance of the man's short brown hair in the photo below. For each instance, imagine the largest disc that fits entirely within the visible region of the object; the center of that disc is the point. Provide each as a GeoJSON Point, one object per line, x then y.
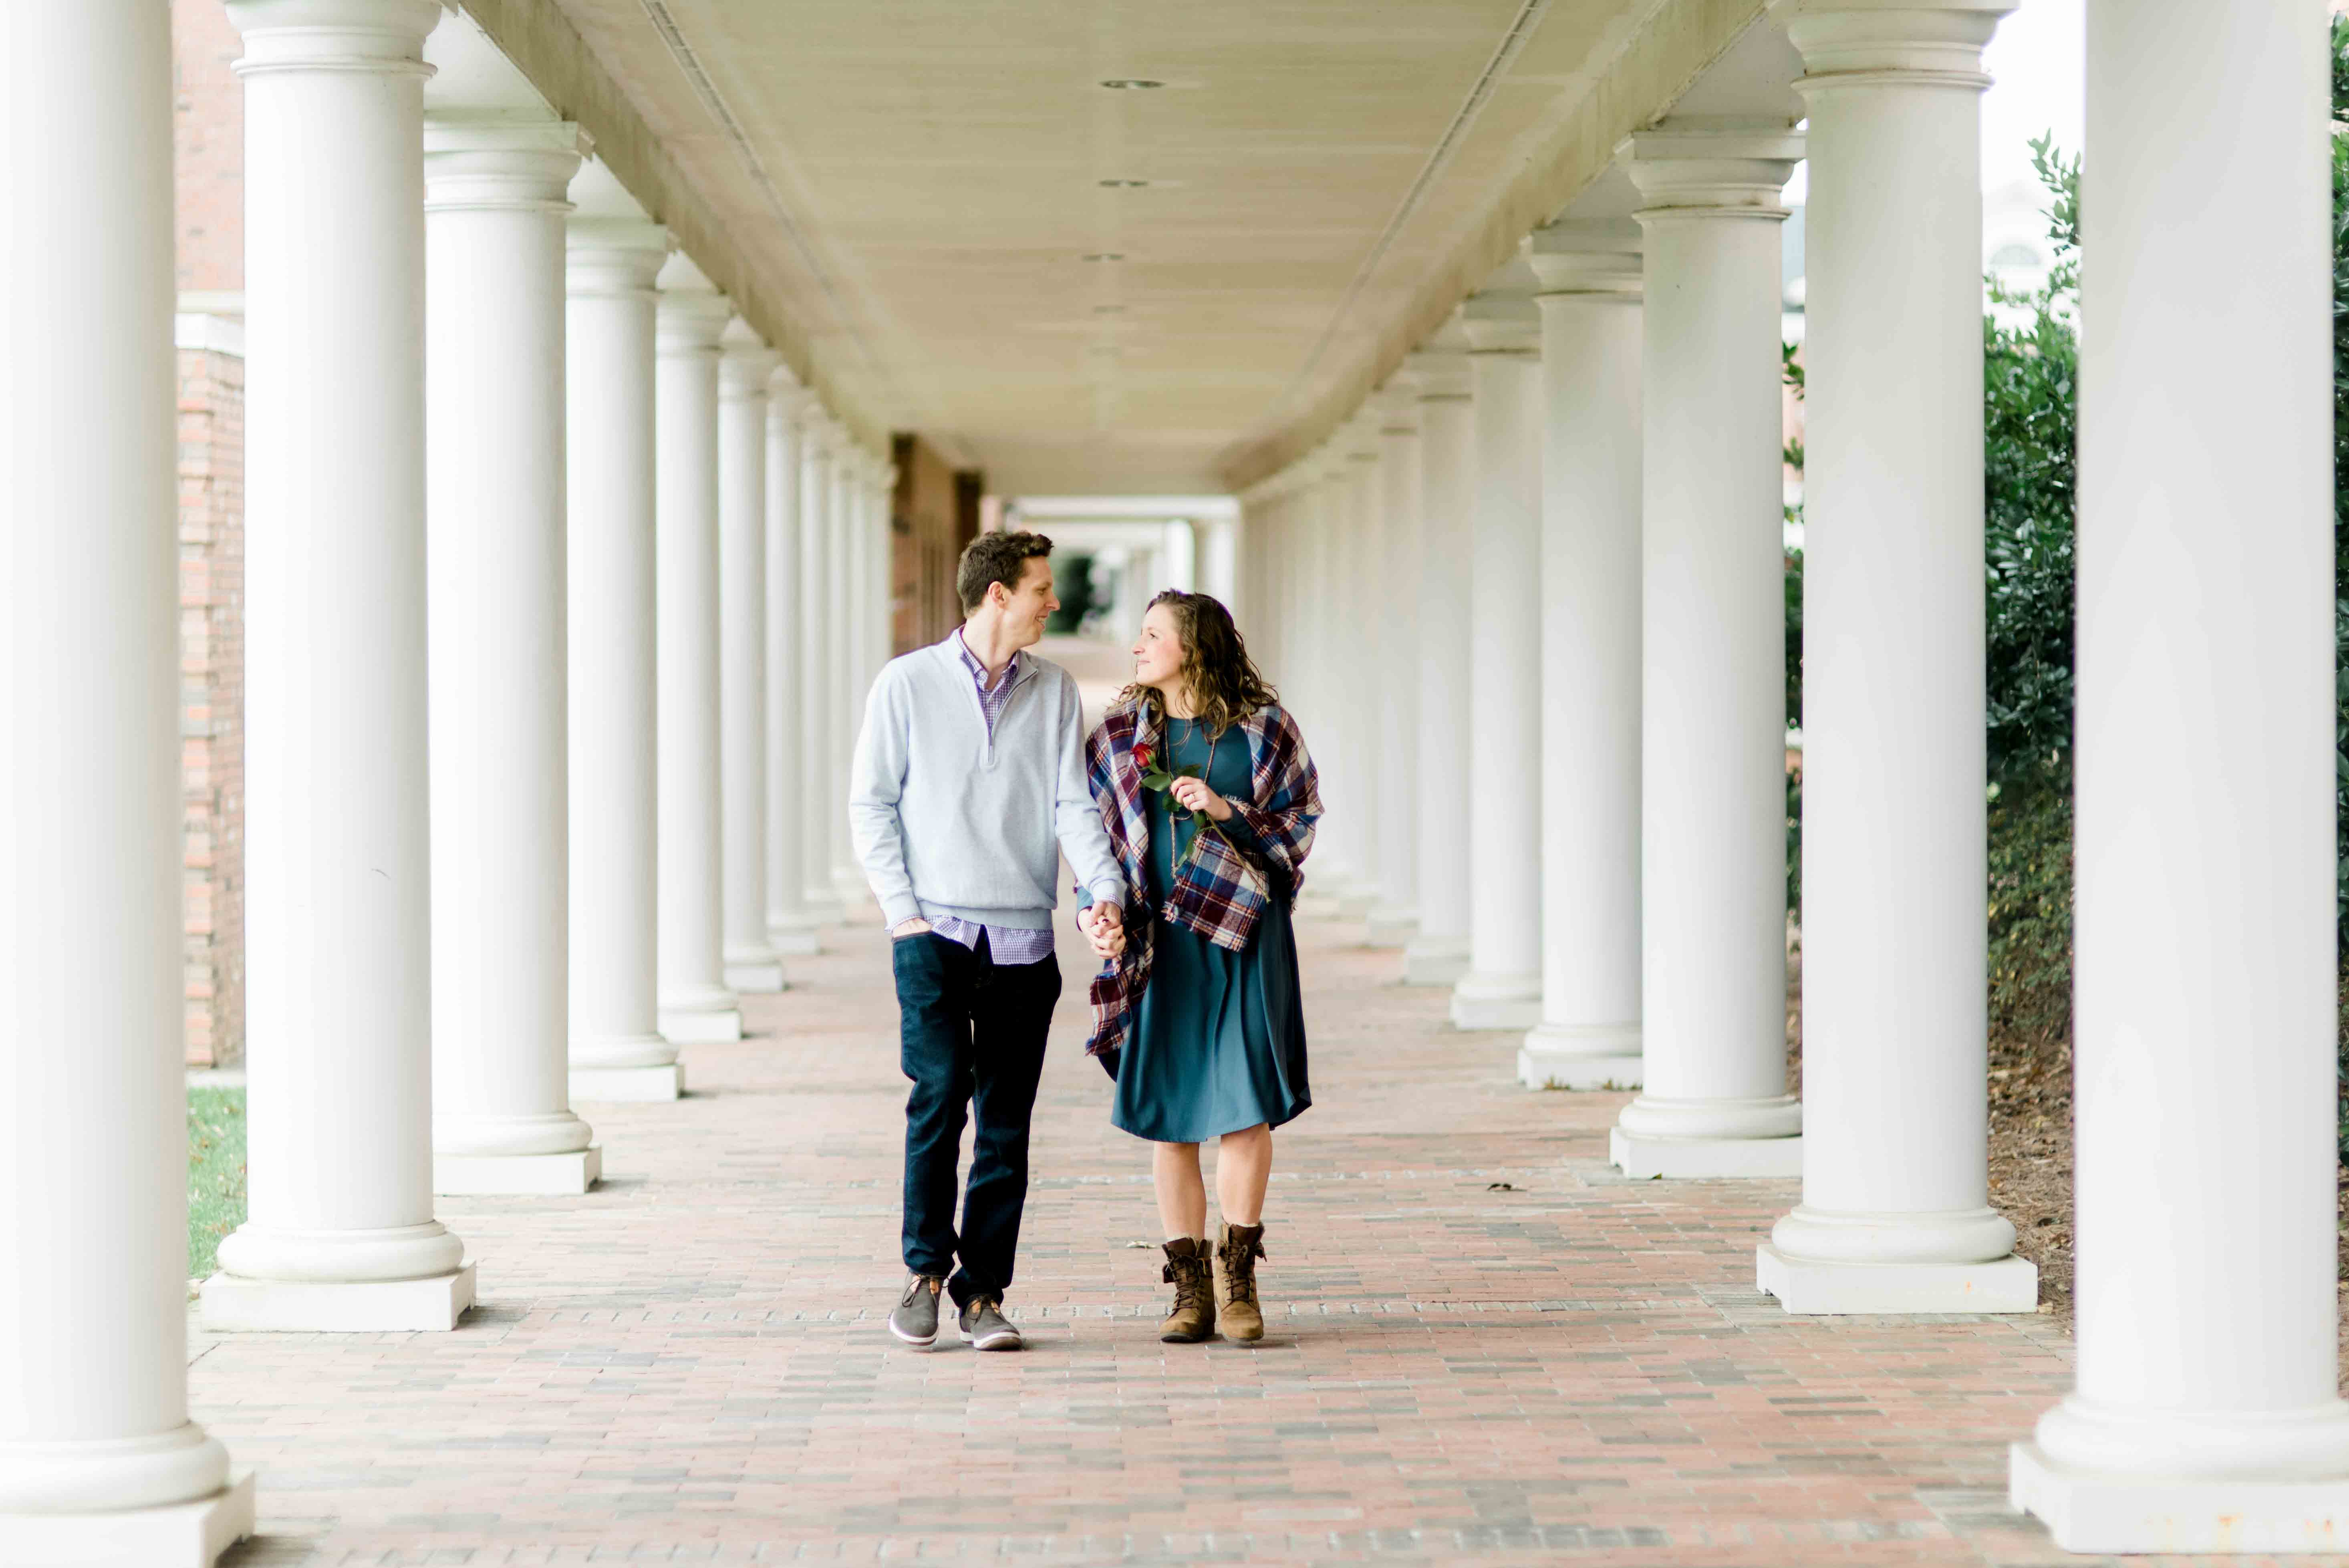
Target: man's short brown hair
{"type": "Point", "coordinates": [996, 558]}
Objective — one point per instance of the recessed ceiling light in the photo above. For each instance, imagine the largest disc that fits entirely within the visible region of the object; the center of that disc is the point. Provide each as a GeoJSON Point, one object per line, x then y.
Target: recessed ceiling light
{"type": "Point", "coordinates": [1131, 84]}
{"type": "Point", "coordinates": [1106, 256]}
{"type": "Point", "coordinates": [1124, 184]}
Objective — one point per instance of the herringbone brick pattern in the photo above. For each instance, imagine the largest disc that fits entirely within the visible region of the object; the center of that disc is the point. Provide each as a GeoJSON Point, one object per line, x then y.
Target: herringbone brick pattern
{"type": "Point", "coordinates": [1484, 1347]}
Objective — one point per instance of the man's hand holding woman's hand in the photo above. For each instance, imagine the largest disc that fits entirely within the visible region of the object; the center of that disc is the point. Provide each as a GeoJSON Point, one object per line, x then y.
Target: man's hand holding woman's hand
{"type": "Point", "coordinates": [1104, 928]}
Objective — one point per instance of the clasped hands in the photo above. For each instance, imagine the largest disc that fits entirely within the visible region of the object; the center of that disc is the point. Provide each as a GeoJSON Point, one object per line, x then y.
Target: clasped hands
{"type": "Point", "coordinates": [1104, 927]}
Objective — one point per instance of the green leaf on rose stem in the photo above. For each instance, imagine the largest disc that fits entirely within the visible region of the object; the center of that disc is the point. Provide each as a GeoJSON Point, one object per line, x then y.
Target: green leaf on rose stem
{"type": "Point", "coordinates": [1153, 779]}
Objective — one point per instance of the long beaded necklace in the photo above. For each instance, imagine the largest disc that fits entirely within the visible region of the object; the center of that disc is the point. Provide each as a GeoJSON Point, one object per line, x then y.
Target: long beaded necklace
{"type": "Point", "coordinates": [1181, 815]}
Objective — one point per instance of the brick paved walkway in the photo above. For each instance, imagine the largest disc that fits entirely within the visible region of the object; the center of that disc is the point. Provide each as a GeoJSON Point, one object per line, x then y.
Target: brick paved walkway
{"type": "Point", "coordinates": [1484, 1347]}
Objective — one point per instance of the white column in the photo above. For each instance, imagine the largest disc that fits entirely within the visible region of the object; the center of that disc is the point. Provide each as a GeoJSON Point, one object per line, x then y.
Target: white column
{"type": "Point", "coordinates": [1712, 879]}
{"type": "Point", "coordinates": [1216, 568]}
{"type": "Point", "coordinates": [744, 365]}
{"type": "Point", "coordinates": [1589, 1034]}
{"type": "Point", "coordinates": [848, 576]}
{"type": "Point", "coordinates": [819, 616]}
{"type": "Point", "coordinates": [98, 1461]}
{"type": "Point", "coordinates": [1394, 612]}
{"type": "Point", "coordinates": [1501, 989]}
{"type": "Point", "coordinates": [791, 925]}
{"type": "Point", "coordinates": [495, 201]}
{"type": "Point", "coordinates": [340, 1233]}
{"type": "Point", "coordinates": [1332, 888]}
{"type": "Point", "coordinates": [1438, 953]}
{"type": "Point", "coordinates": [1896, 1213]}
{"type": "Point", "coordinates": [695, 1002]}
{"type": "Point", "coordinates": [1354, 704]}
{"type": "Point", "coordinates": [618, 1051]}
{"type": "Point", "coordinates": [2206, 1418]}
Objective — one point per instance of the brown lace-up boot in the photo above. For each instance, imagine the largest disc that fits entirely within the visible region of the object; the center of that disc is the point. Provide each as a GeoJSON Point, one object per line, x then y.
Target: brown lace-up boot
{"type": "Point", "coordinates": [1236, 1254]}
{"type": "Point", "coordinates": [1194, 1317]}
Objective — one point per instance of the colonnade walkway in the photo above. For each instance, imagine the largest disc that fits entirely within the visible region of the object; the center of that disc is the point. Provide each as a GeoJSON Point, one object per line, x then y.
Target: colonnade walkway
{"type": "Point", "coordinates": [1483, 1344]}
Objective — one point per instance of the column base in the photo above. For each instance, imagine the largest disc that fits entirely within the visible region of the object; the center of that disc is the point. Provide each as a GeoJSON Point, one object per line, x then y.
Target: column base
{"type": "Point", "coordinates": [1391, 925]}
{"type": "Point", "coordinates": [701, 1028]}
{"type": "Point", "coordinates": [1810, 1287]}
{"type": "Point", "coordinates": [179, 1535]}
{"type": "Point", "coordinates": [1563, 1055]}
{"type": "Point", "coordinates": [1643, 1155]}
{"type": "Point", "coordinates": [822, 907]}
{"type": "Point", "coordinates": [1435, 961]}
{"type": "Point", "coordinates": [534, 1175]}
{"type": "Point", "coordinates": [607, 1086]}
{"type": "Point", "coordinates": [1483, 1001]}
{"type": "Point", "coordinates": [2087, 1512]}
{"type": "Point", "coordinates": [801, 940]}
{"type": "Point", "coordinates": [376, 1306]}
{"type": "Point", "coordinates": [762, 979]}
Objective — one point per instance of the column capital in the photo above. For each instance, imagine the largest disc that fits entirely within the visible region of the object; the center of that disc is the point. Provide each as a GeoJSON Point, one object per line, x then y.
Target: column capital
{"type": "Point", "coordinates": [494, 161]}
{"type": "Point", "coordinates": [692, 312]}
{"type": "Point", "coordinates": [1358, 438]}
{"type": "Point", "coordinates": [1859, 43]}
{"type": "Point", "coordinates": [1598, 257]}
{"type": "Point", "coordinates": [381, 36]}
{"type": "Point", "coordinates": [1397, 403]}
{"type": "Point", "coordinates": [744, 361]}
{"type": "Point", "coordinates": [787, 398]}
{"type": "Point", "coordinates": [612, 258]}
{"type": "Point", "coordinates": [1498, 322]}
{"type": "Point", "coordinates": [1441, 374]}
{"type": "Point", "coordinates": [1699, 166]}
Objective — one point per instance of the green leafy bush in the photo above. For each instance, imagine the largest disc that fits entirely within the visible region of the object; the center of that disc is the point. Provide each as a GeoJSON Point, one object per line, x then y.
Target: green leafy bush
{"type": "Point", "coordinates": [2030, 415]}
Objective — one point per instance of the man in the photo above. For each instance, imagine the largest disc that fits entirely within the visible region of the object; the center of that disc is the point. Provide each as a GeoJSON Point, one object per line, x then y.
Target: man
{"type": "Point", "coordinates": [969, 775]}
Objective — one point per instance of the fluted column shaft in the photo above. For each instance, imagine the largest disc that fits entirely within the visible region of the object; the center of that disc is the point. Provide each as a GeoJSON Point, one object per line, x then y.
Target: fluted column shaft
{"type": "Point", "coordinates": [744, 365]}
{"type": "Point", "coordinates": [1589, 1036]}
{"type": "Point", "coordinates": [93, 1337]}
{"type": "Point", "coordinates": [1438, 955]}
{"type": "Point", "coordinates": [618, 1051]}
{"type": "Point", "coordinates": [340, 1233]}
{"type": "Point", "coordinates": [1896, 1151]}
{"type": "Point", "coordinates": [695, 1002]}
{"type": "Point", "coordinates": [791, 925]}
{"type": "Point", "coordinates": [1501, 989]}
{"type": "Point", "coordinates": [1713, 769]}
{"type": "Point", "coordinates": [1354, 590]}
{"type": "Point", "coordinates": [2206, 1417]}
{"type": "Point", "coordinates": [495, 201]}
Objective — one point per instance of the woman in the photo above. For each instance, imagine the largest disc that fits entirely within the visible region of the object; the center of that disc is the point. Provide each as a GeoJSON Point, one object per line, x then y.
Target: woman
{"type": "Point", "coordinates": [1210, 800]}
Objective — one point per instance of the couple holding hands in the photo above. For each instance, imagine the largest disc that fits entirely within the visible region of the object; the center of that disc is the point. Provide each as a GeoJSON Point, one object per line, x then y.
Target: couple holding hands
{"type": "Point", "coordinates": [1187, 816]}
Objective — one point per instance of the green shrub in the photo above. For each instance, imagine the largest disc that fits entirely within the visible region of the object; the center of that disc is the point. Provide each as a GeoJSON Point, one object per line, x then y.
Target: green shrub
{"type": "Point", "coordinates": [2030, 417]}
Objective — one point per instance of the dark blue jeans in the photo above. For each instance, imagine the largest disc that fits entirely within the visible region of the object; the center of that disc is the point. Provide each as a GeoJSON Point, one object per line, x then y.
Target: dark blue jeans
{"type": "Point", "coordinates": [971, 1036]}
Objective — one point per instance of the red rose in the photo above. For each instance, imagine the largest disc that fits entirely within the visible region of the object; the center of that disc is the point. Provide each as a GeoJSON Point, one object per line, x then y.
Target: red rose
{"type": "Point", "coordinates": [1142, 758]}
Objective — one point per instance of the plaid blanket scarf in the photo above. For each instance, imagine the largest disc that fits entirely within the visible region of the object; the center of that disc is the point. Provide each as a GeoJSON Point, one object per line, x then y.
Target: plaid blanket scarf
{"type": "Point", "coordinates": [1225, 880]}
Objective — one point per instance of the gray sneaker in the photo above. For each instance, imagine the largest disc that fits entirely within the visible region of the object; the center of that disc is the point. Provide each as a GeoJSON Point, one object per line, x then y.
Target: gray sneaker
{"type": "Point", "coordinates": [915, 1319]}
{"type": "Point", "coordinates": [984, 1326]}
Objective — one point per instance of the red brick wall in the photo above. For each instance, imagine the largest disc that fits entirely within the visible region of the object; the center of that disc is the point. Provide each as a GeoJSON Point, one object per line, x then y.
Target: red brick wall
{"type": "Point", "coordinates": [211, 699]}
{"type": "Point", "coordinates": [207, 147]}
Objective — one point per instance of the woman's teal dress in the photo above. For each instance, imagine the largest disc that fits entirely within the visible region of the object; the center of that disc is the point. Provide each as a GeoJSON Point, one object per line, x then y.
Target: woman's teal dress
{"type": "Point", "coordinates": [1218, 1043]}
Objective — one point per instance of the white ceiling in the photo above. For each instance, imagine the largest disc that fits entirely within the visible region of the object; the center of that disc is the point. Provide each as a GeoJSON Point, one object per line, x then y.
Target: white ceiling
{"type": "Point", "coordinates": [925, 178]}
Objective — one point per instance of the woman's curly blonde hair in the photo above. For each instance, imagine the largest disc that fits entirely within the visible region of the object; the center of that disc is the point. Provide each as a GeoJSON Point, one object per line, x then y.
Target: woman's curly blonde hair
{"type": "Point", "coordinates": [1225, 685]}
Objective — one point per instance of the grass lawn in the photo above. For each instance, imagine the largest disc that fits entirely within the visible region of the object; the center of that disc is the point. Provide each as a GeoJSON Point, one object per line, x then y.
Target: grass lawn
{"type": "Point", "coordinates": [215, 1172]}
